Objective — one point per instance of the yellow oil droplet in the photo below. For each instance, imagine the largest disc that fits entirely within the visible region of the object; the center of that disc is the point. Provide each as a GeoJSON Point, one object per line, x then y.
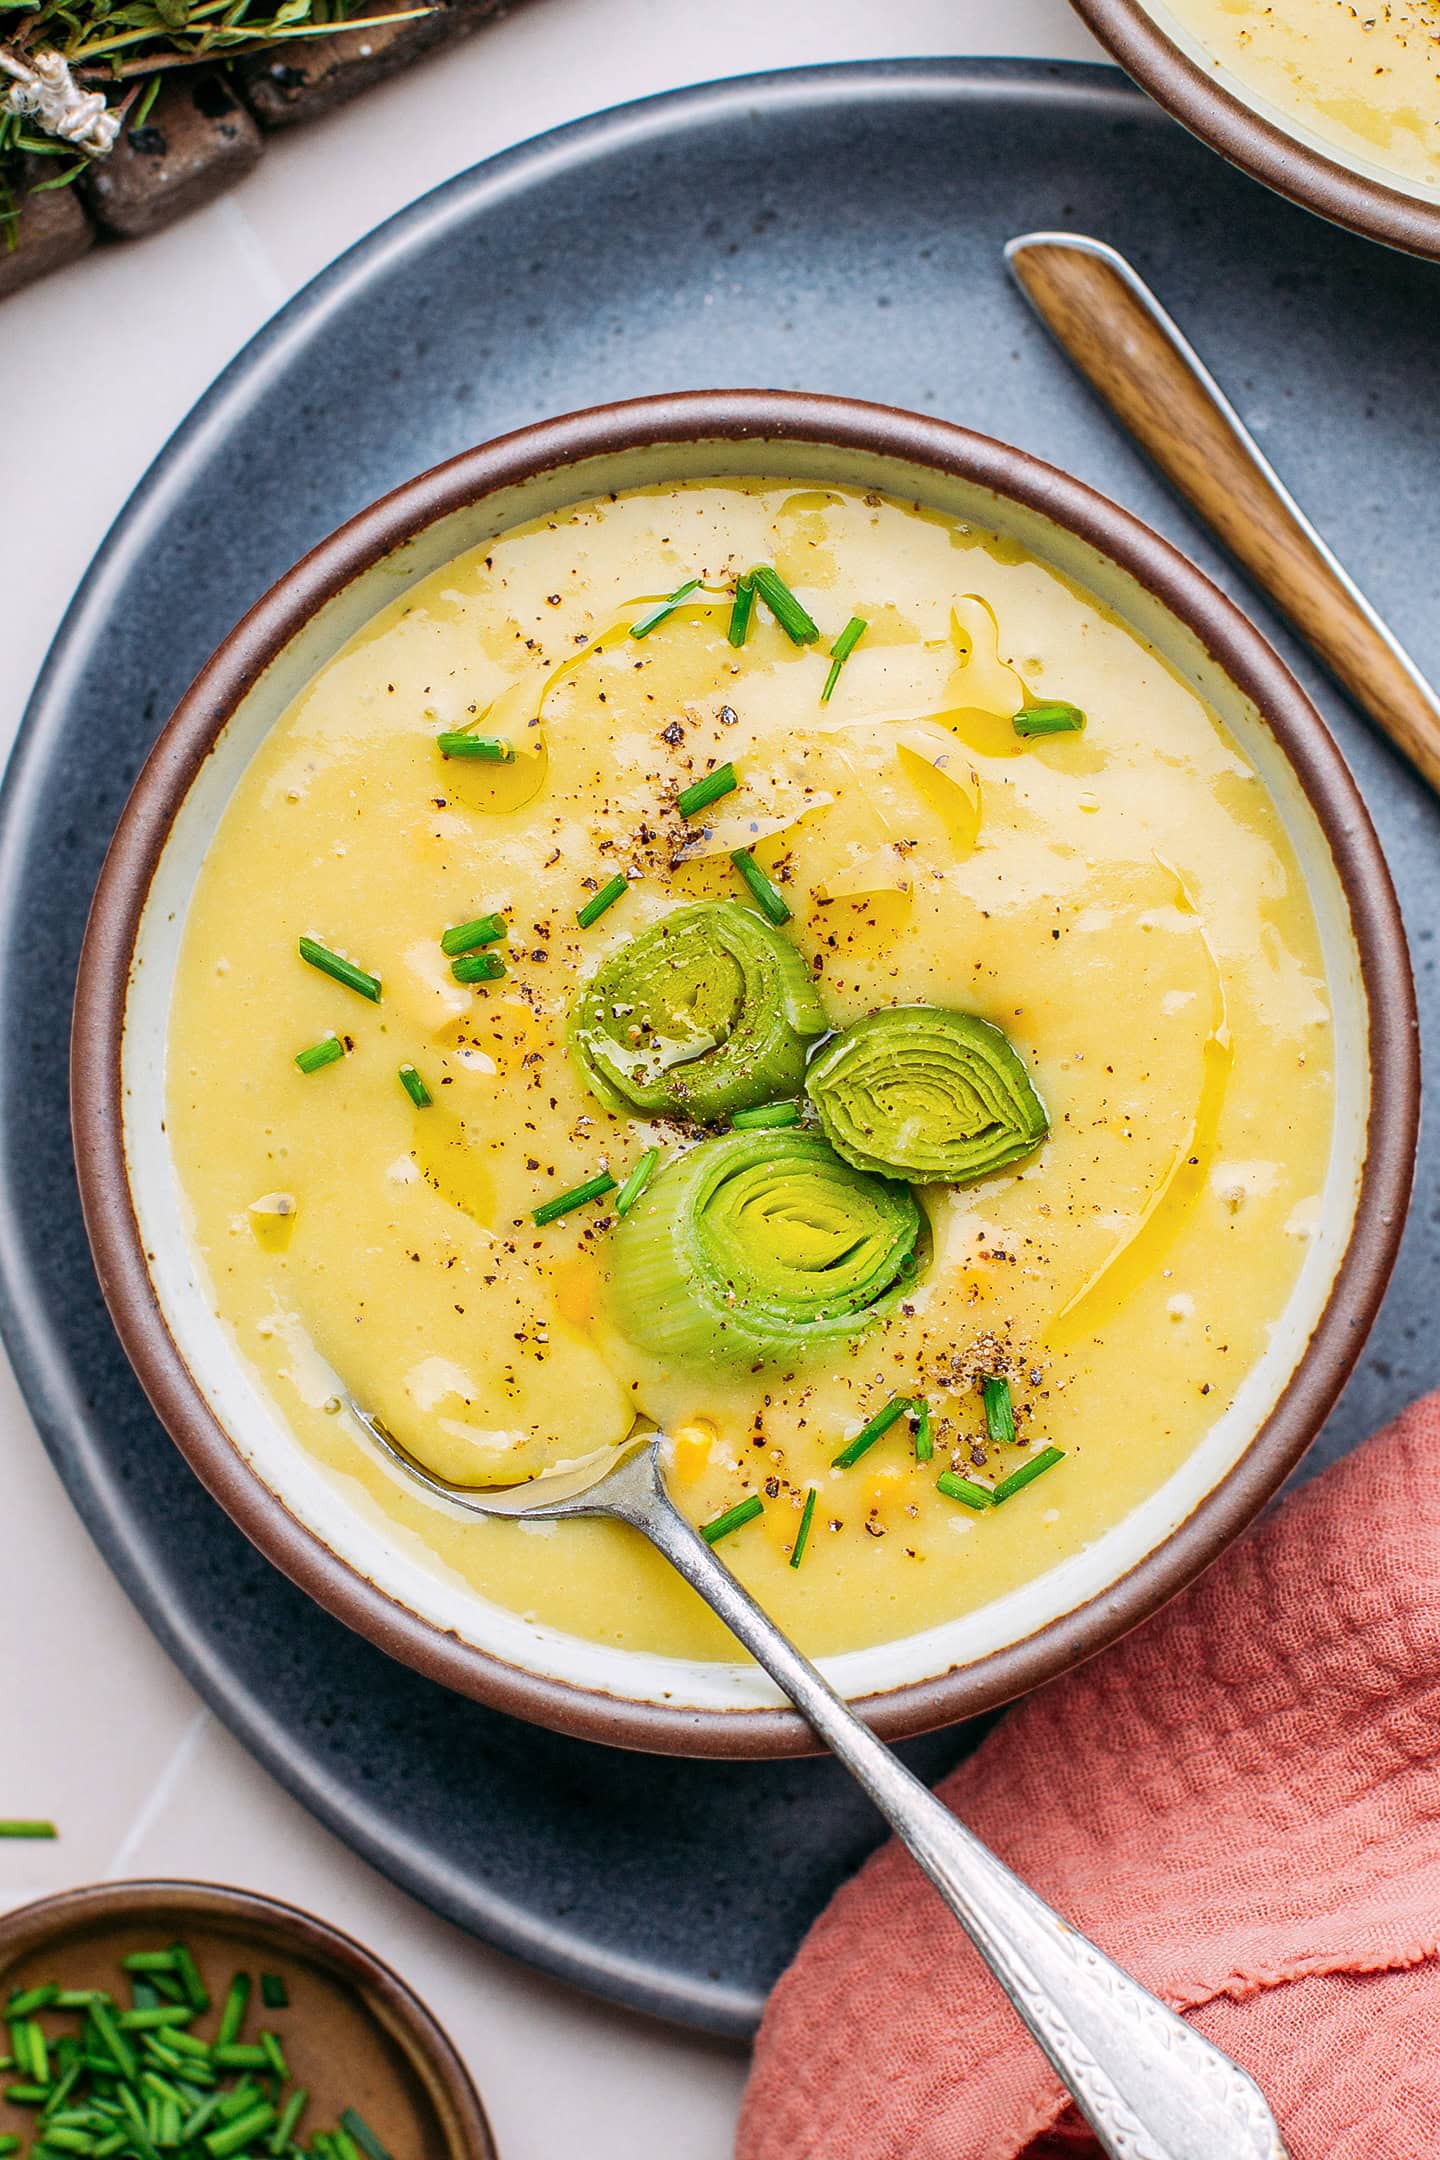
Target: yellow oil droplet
{"type": "Point", "coordinates": [690, 1446]}
{"type": "Point", "coordinates": [272, 1218]}
{"type": "Point", "coordinates": [575, 1291]}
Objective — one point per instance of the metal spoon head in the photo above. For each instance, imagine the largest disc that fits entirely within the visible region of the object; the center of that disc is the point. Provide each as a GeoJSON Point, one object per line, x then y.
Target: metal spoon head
{"type": "Point", "coordinates": [594, 1485]}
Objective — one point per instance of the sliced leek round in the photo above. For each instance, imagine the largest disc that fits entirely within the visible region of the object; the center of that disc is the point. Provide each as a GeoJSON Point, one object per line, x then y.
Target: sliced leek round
{"type": "Point", "coordinates": [758, 1247]}
{"type": "Point", "coordinates": [707, 1012]}
{"type": "Point", "coordinates": [923, 1093]}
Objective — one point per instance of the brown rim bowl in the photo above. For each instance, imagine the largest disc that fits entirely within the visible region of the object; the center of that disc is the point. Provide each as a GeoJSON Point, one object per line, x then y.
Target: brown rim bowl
{"type": "Point", "coordinates": [354, 2034]}
{"type": "Point", "coordinates": [193, 1372]}
{"type": "Point", "coordinates": [1254, 137]}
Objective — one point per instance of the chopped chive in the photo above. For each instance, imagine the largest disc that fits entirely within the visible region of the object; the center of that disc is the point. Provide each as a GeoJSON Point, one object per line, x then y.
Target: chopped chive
{"type": "Point", "coordinates": [800, 628]}
{"type": "Point", "coordinates": [273, 1991]}
{"type": "Point", "coordinates": [645, 623]}
{"type": "Point", "coordinates": [77, 1998]}
{"type": "Point", "coordinates": [701, 793]}
{"type": "Point", "coordinates": [344, 2145]}
{"type": "Point", "coordinates": [578, 1196]}
{"type": "Point", "coordinates": [289, 2121]}
{"type": "Point", "coordinates": [840, 652]}
{"type": "Point", "coordinates": [420, 1095]}
{"type": "Point", "coordinates": [154, 2020]}
{"type": "Point", "coordinates": [239, 2055]}
{"type": "Point", "coordinates": [325, 1052]}
{"type": "Point", "coordinates": [924, 1430]}
{"type": "Point", "coordinates": [490, 749]}
{"type": "Point", "coordinates": [18, 1829]}
{"type": "Point", "coordinates": [9, 2143]}
{"type": "Point", "coordinates": [768, 898]}
{"type": "Point", "coordinates": [237, 2134]}
{"type": "Point", "coordinates": [36, 1998]}
{"type": "Point", "coordinates": [242, 2096]}
{"type": "Point", "coordinates": [195, 2123]}
{"type": "Point", "coordinates": [116, 2046]}
{"type": "Point", "coordinates": [636, 1182]}
{"type": "Point", "coordinates": [596, 905]}
{"type": "Point", "coordinates": [188, 1973]}
{"type": "Point", "coordinates": [775, 1113]}
{"type": "Point", "coordinates": [869, 1434]}
{"type": "Point", "coordinates": [232, 2016]}
{"type": "Point", "coordinates": [965, 1490]}
{"type": "Point", "coordinates": [275, 2055]}
{"type": "Point", "coordinates": [802, 1535]}
{"type": "Point", "coordinates": [743, 1511]}
{"type": "Point", "coordinates": [1036, 1467]}
{"type": "Point", "coordinates": [25, 2095]}
{"type": "Point", "coordinates": [341, 971]}
{"type": "Point", "coordinates": [149, 1961]}
{"type": "Point", "coordinates": [1057, 719]}
{"type": "Point", "coordinates": [741, 609]}
{"type": "Point", "coordinates": [464, 937]}
{"type": "Point", "coordinates": [999, 1411]}
{"type": "Point", "coordinates": [477, 967]}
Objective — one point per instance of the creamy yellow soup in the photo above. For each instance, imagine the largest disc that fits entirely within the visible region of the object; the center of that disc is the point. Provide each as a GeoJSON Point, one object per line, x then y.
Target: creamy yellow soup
{"type": "Point", "coordinates": [1364, 78]}
{"type": "Point", "coordinates": [1121, 902]}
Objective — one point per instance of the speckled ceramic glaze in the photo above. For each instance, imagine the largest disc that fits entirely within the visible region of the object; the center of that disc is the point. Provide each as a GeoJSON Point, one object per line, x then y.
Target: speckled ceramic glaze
{"type": "Point", "coordinates": [840, 228]}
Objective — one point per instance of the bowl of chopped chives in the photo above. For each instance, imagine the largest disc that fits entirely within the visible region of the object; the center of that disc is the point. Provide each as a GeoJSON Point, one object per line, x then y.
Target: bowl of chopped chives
{"type": "Point", "coordinates": [786, 922]}
{"type": "Point", "coordinates": [149, 2018]}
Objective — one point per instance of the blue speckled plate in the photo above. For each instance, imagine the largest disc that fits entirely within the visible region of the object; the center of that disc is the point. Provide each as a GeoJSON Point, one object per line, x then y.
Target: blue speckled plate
{"type": "Point", "coordinates": [833, 229]}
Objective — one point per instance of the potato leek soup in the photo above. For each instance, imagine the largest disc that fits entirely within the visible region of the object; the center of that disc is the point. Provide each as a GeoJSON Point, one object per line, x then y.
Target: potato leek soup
{"type": "Point", "coordinates": [1364, 80]}
{"type": "Point", "coordinates": [780, 966]}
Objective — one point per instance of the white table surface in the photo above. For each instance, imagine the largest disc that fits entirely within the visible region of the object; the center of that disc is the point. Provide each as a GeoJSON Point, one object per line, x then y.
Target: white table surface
{"type": "Point", "coordinates": [133, 337]}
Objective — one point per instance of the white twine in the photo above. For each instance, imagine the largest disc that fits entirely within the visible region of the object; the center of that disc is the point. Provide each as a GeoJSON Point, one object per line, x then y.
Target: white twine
{"type": "Point", "coordinates": [44, 88]}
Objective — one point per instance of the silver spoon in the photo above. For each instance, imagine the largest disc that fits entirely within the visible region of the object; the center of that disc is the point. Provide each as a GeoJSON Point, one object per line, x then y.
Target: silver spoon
{"type": "Point", "coordinates": [1148, 2084]}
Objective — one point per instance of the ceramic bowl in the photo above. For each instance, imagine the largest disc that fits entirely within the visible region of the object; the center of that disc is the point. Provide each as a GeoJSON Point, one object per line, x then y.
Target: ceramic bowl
{"type": "Point", "coordinates": [1166, 59]}
{"type": "Point", "coordinates": [233, 1435]}
{"type": "Point", "coordinates": [354, 2034]}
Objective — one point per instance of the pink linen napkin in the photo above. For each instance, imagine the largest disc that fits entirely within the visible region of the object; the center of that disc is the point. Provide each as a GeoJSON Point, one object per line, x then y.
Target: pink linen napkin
{"type": "Point", "coordinates": [1240, 1802]}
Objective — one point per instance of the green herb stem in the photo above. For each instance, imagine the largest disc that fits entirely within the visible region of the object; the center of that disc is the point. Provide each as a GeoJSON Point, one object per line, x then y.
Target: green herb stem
{"type": "Point", "coordinates": [578, 1196]}
{"type": "Point", "coordinates": [800, 627]}
{"type": "Point", "coordinates": [867, 1436]}
{"type": "Point", "coordinates": [420, 1095]}
{"type": "Point", "coordinates": [701, 793]}
{"type": "Point", "coordinates": [466, 936]}
{"type": "Point", "coordinates": [923, 1426]}
{"type": "Point", "coordinates": [363, 2135]}
{"type": "Point", "coordinates": [636, 1182]}
{"type": "Point", "coordinates": [802, 1535]}
{"type": "Point", "coordinates": [733, 1519]}
{"type": "Point", "coordinates": [645, 623]}
{"type": "Point", "coordinates": [999, 1410]}
{"type": "Point", "coordinates": [18, 1827]}
{"type": "Point", "coordinates": [328, 1051]}
{"type": "Point", "coordinates": [485, 749]}
{"type": "Point", "coordinates": [1028, 1472]}
{"type": "Point", "coordinates": [606, 897]}
{"type": "Point", "coordinates": [741, 609]}
{"type": "Point", "coordinates": [764, 1114]}
{"type": "Point", "coordinates": [840, 652]}
{"type": "Point", "coordinates": [478, 967]}
{"type": "Point", "coordinates": [965, 1490]}
{"type": "Point", "coordinates": [768, 898]}
{"type": "Point", "coordinates": [341, 971]}
{"type": "Point", "coordinates": [1056, 719]}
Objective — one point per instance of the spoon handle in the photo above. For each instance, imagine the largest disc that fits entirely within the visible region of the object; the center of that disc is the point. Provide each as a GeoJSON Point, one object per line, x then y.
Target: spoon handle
{"type": "Point", "coordinates": [1120, 338]}
{"type": "Point", "coordinates": [1148, 2084]}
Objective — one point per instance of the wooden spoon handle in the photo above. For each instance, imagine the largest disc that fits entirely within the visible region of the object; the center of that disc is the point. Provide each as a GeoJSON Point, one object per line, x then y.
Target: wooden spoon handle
{"type": "Point", "coordinates": [1121, 339]}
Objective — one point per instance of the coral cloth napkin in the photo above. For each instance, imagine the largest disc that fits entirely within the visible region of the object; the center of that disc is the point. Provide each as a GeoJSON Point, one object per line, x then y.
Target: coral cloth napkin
{"type": "Point", "coordinates": [1241, 1803]}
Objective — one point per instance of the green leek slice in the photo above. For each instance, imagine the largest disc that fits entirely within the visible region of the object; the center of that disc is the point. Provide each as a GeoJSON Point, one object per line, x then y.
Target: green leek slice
{"type": "Point", "coordinates": [757, 1247]}
{"type": "Point", "coordinates": [705, 1013]}
{"type": "Point", "coordinates": [920, 1092]}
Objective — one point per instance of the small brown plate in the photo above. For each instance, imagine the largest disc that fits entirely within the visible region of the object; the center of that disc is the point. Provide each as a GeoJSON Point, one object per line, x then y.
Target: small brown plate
{"type": "Point", "coordinates": [354, 2035]}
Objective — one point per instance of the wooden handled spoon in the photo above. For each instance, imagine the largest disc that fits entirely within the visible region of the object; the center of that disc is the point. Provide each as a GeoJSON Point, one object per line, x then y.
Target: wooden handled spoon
{"type": "Point", "coordinates": [1121, 339]}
